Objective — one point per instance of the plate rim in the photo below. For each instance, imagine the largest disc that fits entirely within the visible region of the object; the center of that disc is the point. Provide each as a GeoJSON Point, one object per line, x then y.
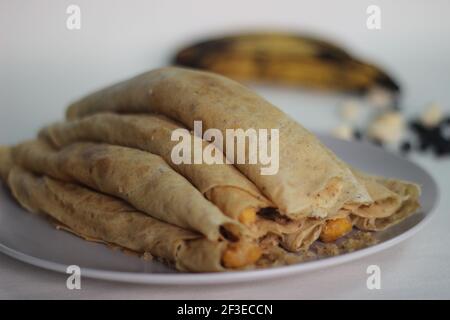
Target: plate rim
{"type": "Point", "coordinates": [218, 277]}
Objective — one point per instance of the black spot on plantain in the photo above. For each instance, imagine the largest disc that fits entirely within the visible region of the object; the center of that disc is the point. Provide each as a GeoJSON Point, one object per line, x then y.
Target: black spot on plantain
{"type": "Point", "coordinates": [385, 81]}
{"type": "Point", "coordinates": [197, 55]}
{"type": "Point", "coordinates": [329, 56]}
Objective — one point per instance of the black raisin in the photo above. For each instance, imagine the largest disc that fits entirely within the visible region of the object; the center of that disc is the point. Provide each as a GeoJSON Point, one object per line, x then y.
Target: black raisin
{"type": "Point", "coordinates": [405, 147]}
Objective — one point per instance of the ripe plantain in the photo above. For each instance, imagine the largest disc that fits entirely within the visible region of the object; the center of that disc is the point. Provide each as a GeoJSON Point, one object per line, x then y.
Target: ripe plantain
{"type": "Point", "coordinates": [286, 59]}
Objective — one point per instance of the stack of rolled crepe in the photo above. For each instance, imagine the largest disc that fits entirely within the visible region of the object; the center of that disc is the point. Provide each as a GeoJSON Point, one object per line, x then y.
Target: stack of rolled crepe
{"type": "Point", "coordinates": [107, 175]}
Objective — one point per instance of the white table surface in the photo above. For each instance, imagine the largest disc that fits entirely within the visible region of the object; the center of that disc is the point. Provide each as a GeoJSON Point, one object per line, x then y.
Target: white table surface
{"type": "Point", "coordinates": [43, 66]}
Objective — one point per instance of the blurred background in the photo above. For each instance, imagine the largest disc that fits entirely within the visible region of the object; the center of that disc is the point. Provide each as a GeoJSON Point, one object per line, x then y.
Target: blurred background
{"type": "Point", "coordinates": [44, 66]}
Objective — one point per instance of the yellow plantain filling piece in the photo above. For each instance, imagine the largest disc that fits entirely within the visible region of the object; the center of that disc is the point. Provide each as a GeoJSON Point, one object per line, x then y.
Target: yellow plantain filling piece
{"type": "Point", "coordinates": [334, 229]}
{"type": "Point", "coordinates": [248, 216]}
{"type": "Point", "coordinates": [240, 255]}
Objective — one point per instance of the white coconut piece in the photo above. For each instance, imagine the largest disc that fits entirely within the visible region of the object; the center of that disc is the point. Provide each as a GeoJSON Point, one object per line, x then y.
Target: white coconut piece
{"type": "Point", "coordinates": [343, 132]}
{"type": "Point", "coordinates": [380, 98]}
{"type": "Point", "coordinates": [349, 110]}
{"type": "Point", "coordinates": [432, 115]}
{"type": "Point", "coordinates": [388, 127]}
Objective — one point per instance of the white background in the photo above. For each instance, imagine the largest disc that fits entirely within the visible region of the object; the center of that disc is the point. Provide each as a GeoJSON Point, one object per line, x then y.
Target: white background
{"type": "Point", "coordinates": [44, 66]}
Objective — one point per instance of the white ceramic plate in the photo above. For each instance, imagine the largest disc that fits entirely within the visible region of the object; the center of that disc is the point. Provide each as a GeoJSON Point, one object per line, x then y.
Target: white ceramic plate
{"type": "Point", "coordinates": [32, 239]}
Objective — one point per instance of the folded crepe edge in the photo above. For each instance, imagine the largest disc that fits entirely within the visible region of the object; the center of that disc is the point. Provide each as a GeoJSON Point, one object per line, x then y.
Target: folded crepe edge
{"type": "Point", "coordinates": [408, 192]}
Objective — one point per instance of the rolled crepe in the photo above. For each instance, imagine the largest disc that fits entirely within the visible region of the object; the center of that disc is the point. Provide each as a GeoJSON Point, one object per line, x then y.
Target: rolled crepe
{"type": "Point", "coordinates": [98, 217]}
{"type": "Point", "coordinates": [309, 181]}
{"type": "Point", "coordinates": [85, 163]}
{"type": "Point", "coordinates": [222, 184]}
{"type": "Point", "coordinates": [142, 179]}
